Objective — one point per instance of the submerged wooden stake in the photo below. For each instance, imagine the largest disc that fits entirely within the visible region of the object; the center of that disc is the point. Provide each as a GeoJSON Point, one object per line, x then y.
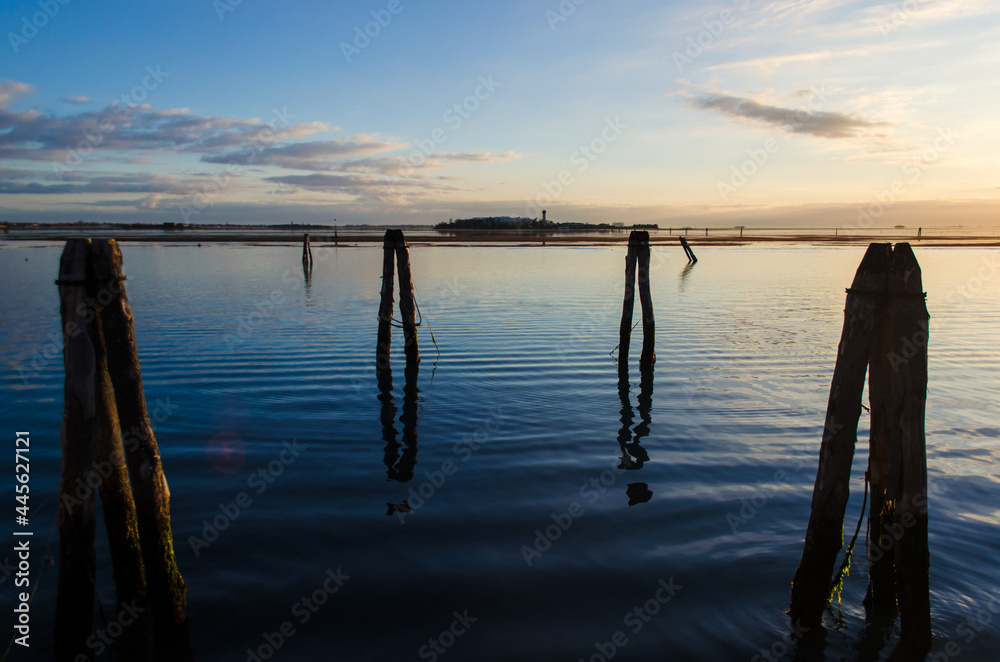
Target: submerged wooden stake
{"type": "Point", "coordinates": [120, 517]}
{"type": "Point", "coordinates": [687, 249]}
{"type": "Point", "coordinates": [384, 342]}
{"type": "Point", "coordinates": [648, 356]}
{"type": "Point", "coordinates": [824, 535]}
{"type": "Point", "coordinates": [883, 467]}
{"type": "Point", "coordinates": [625, 330]}
{"type": "Point", "coordinates": [307, 253]}
{"type": "Point", "coordinates": [885, 327]}
{"type": "Point", "coordinates": [165, 585]}
{"type": "Point", "coordinates": [407, 307]}
{"type": "Point", "coordinates": [637, 256]}
{"type": "Point", "coordinates": [908, 358]}
{"type": "Point", "coordinates": [78, 502]}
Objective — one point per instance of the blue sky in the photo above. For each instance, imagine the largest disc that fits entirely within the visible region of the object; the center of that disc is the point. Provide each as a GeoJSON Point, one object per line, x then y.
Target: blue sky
{"type": "Point", "coordinates": [823, 112]}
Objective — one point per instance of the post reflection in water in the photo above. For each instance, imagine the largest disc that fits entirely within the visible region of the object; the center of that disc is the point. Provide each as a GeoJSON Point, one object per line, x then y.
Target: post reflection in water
{"type": "Point", "coordinates": [685, 272]}
{"type": "Point", "coordinates": [400, 459]}
{"type": "Point", "coordinates": [633, 455]}
{"type": "Point", "coordinates": [307, 277]}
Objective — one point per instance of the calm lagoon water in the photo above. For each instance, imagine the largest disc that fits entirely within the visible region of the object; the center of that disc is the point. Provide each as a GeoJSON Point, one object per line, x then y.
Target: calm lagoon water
{"type": "Point", "coordinates": [523, 409]}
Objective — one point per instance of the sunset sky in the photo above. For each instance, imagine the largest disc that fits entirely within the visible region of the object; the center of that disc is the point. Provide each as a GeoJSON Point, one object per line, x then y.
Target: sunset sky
{"type": "Point", "coordinates": [793, 112]}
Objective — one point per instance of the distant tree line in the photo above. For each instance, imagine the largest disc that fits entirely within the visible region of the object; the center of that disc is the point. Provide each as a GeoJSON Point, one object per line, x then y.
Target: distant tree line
{"type": "Point", "coordinates": [494, 223]}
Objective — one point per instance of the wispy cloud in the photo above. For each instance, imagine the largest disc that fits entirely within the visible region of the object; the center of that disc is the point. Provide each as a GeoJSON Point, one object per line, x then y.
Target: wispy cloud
{"type": "Point", "coordinates": [822, 124]}
{"type": "Point", "coordinates": [482, 157]}
{"type": "Point", "coordinates": [767, 65]}
{"type": "Point", "coordinates": [10, 90]}
{"type": "Point", "coordinates": [315, 155]}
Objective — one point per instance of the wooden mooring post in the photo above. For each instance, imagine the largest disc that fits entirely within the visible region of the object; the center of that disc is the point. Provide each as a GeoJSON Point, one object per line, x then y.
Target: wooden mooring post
{"type": "Point", "coordinates": [103, 395]}
{"type": "Point", "coordinates": [637, 259]}
{"type": "Point", "coordinates": [407, 300]}
{"type": "Point", "coordinates": [395, 250]}
{"type": "Point", "coordinates": [78, 502]}
{"type": "Point", "coordinates": [885, 332]}
{"type": "Point", "coordinates": [120, 516]}
{"type": "Point", "coordinates": [687, 250]}
{"type": "Point", "coordinates": [307, 254]}
{"type": "Point", "coordinates": [164, 584]}
{"type": "Point", "coordinates": [384, 342]}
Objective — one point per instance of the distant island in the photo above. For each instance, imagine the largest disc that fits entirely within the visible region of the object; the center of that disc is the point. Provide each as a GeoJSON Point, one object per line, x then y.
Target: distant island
{"type": "Point", "coordinates": [522, 223]}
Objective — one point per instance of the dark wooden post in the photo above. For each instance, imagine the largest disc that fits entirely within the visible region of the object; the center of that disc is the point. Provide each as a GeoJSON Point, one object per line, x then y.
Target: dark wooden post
{"type": "Point", "coordinates": [824, 535]}
{"type": "Point", "coordinates": [307, 253]}
{"type": "Point", "coordinates": [116, 499]}
{"type": "Point", "coordinates": [78, 502]}
{"type": "Point", "coordinates": [883, 469]}
{"type": "Point", "coordinates": [625, 330]}
{"type": "Point", "coordinates": [384, 343]}
{"type": "Point", "coordinates": [407, 308]}
{"type": "Point", "coordinates": [687, 250]}
{"type": "Point", "coordinates": [165, 586]}
{"type": "Point", "coordinates": [648, 356]}
{"type": "Point", "coordinates": [908, 359]}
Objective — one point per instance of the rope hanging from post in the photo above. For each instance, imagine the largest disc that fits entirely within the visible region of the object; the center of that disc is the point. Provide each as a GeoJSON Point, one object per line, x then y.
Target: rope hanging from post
{"type": "Point", "coordinates": [836, 585]}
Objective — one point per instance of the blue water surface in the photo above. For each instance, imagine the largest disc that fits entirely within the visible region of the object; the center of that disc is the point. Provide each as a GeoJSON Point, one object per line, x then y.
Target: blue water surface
{"type": "Point", "coordinates": [547, 502]}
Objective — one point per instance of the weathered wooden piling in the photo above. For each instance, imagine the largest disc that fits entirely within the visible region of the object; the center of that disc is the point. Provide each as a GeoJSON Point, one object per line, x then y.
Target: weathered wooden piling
{"type": "Point", "coordinates": [307, 253]}
{"type": "Point", "coordinates": [78, 502]}
{"type": "Point", "coordinates": [908, 359]}
{"type": "Point", "coordinates": [120, 517]}
{"type": "Point", "coordinates": [824, 534]}
{"type": "Point", "coordinates": [384, 342]}
{"type": "Point", "coordinates": [625, 329]}
{"type": "Point", "coordinates": [883, 463]}
{"type": "Point", "coordinates": [648, 356]}
{"type": "Point", "coordinates": [687, 250]}
{"type": "Point", "coordinates": [885, 329]}
{"type": "Point", "coordinates": [407, 306]}
{"type": "Point", "coordinates": [165, 586]}
{"type": "Point", "coordinates": [637, 259]}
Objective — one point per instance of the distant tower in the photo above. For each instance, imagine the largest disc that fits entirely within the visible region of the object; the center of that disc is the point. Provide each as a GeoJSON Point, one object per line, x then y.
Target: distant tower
{"type": "Point", "coordinates": [543, 216]}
